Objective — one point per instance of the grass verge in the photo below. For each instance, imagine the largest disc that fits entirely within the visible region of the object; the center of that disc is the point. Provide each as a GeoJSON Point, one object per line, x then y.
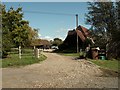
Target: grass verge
{"type": "Point", "coordinates": [108, 64]}
{"type": "Point", "coordinates": [14, 61]}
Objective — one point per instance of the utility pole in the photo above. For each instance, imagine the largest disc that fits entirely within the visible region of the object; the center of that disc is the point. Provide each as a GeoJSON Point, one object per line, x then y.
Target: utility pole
{"type": "Point", "coordinates": [76, 32]}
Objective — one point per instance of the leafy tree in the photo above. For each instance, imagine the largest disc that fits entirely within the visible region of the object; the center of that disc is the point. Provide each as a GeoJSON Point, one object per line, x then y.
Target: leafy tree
{"type": "Point", "coordinates": [16, 31]}
{"type": "Point", "coordinates": [57, 42]}
{"type": "Point", "coordinates": [104, 19]}
{"type": "Point", "coordinates": [6, 34]}
{"type": "Point", "coordinates": [14, 27]}
{"type": "Point", "coordinates": [101, 17]}
{"type": "Point", "coordinates": [114, 44]}
{"type": "Point", "coordinates": [118, 20]}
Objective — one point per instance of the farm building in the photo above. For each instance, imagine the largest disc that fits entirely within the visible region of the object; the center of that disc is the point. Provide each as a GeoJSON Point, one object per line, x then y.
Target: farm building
{"type": "Point", "coordinates": [70, 42]}
{"type": "Point", "coordinates": [41, 43]}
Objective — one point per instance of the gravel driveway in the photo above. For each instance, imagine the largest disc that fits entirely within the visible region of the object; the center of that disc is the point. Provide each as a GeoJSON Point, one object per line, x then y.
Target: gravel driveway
{"type": "Point", "coordinates": [57, 72]}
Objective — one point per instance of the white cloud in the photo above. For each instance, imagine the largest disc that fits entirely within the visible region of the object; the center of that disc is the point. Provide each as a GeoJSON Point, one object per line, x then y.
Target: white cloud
{"type": "Point", "coordinates": [61, 30]}
{"type": "Point", "coordinates": [70, 29]}
{"type": "Point", "coordinates": [47, 38]}
{"type": "Point", "coordinates": [39, 35]}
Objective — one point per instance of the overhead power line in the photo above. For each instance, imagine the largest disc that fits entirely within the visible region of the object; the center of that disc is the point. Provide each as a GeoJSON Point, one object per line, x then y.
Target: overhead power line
{"type": "Point", "coordinates": [52, 13]}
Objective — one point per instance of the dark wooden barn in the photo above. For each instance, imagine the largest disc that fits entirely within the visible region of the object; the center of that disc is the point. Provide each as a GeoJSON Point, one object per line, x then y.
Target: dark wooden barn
{"type": "Point", "coordinates": [70, 43]}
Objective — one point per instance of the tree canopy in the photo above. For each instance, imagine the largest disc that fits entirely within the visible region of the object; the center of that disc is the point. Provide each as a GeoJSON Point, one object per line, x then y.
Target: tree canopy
{"type": "Point", "coordinates": [15, 31]}
{"type": "Point", "coordinates": [57, 42]}
{"type": "Point", "coordinates": [104, 20]}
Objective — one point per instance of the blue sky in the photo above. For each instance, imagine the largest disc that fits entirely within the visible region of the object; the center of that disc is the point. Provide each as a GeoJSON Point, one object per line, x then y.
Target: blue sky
{"type": "Point", "coordinates": [47, 0]}
{"type": "Point", "coordinates": [52, 25]}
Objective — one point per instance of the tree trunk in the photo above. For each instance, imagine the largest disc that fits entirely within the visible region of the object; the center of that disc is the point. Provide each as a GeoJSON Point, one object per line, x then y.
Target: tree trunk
{"type": "Point", "coordinates": [19, 52]}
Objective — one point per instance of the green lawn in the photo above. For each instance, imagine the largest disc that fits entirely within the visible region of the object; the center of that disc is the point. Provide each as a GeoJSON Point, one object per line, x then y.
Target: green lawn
{"type": "Point", "coordinates": [108, 64]}
{"type": "Point", "coordinates": [27, 58]}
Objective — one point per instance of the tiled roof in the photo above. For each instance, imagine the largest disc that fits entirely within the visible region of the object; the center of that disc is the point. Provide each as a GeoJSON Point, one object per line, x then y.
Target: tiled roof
{"type": "Point", "coordinates": [40, 42]}
{"type": "Point", "coordinates": [85, 30]}
{"type": "Point", "coordinates": [44, 42]}
{"type": "Point", "coordinates": [82, 32]}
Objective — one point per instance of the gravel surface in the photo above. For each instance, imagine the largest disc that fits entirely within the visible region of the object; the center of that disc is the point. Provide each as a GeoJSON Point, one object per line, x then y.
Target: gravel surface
{"type": "Point", "coordinates": [57, 72]}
